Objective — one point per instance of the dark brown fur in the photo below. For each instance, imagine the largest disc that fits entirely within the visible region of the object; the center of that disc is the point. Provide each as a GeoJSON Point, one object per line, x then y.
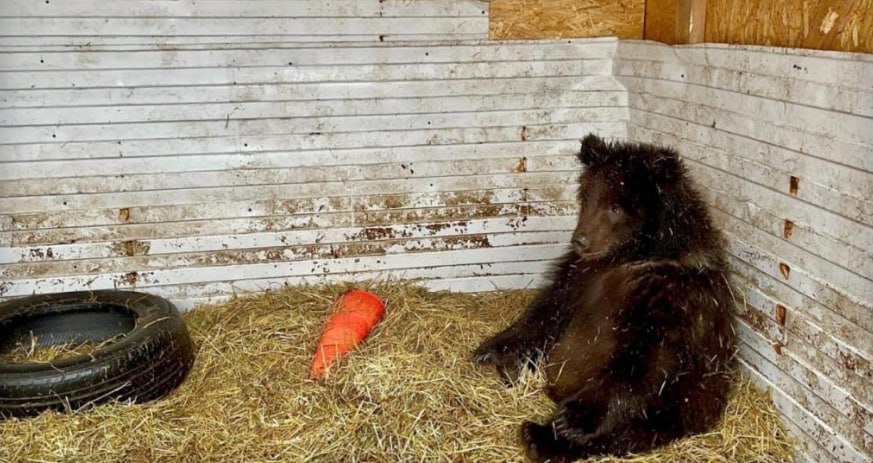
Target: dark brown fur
{"type": "Point", "coordinates": [635, 327]}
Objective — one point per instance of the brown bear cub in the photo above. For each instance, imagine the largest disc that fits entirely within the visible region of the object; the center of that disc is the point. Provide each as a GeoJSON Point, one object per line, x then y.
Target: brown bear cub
{"type": "Point", "coordinates": [635, 327]}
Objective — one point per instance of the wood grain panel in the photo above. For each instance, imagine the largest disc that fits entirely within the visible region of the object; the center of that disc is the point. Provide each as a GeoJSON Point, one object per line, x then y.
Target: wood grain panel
{"type": "Point", "coordinates": [661, 19]}
{"type": "Point", "coordinates": [845, 25]}
{"type": "Point", "coordinates": [524, 19]}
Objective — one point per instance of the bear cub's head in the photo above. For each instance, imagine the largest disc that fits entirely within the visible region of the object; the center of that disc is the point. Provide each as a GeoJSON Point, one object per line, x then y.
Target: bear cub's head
{"type": "Point", "coordinates": [636, 202]}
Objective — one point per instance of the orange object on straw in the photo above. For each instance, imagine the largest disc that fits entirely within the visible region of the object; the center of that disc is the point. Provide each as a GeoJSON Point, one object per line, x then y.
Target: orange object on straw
{"type": "Point", "coordinates": [359, 311]}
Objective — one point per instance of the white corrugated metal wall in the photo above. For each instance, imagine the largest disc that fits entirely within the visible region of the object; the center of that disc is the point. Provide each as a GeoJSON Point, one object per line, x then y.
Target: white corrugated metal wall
{"type": "Point", "coordinates": [201, 150]}
{"type": "Point", "coordinates": [782, 143]}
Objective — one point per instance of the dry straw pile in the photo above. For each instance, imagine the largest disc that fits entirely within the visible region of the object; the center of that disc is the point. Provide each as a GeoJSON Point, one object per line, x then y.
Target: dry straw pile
{"type": "Point", "coordinates": [409, 393]}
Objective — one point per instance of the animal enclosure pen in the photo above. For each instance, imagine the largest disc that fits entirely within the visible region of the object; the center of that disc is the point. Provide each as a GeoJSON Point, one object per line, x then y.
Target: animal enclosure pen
{"type": "Point", "coordinates": [205, 150]}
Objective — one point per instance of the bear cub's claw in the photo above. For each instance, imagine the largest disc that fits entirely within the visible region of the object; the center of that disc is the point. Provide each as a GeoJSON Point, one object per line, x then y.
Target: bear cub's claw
{"type": "Point", "coordinates": [509, 356]}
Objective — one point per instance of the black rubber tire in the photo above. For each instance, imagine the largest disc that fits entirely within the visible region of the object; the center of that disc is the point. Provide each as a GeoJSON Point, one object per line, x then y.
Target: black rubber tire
{"type": "Point", "coordinates": [152, 359]}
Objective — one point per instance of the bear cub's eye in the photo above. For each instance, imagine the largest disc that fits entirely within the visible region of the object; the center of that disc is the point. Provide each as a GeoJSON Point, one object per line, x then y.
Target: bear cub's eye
{"type": "Point", "coordinates": [615, 209]}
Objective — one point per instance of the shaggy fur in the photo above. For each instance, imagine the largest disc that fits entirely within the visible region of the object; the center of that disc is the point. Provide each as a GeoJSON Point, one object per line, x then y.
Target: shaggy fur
{"type": "Point", "coordinates": [635, 327]}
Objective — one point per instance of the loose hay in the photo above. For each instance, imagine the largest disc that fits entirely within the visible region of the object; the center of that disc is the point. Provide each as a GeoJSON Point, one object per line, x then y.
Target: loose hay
{"type": "Point", "coordinates": [409, 393]}
{"type": "Point", "coordinates": [30, 352]}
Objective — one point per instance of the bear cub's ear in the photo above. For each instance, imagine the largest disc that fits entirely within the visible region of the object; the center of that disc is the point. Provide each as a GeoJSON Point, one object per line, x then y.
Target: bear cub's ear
{"type": "Point", "coordinates": [594, 150]}
{"type": "Point", "coordinates": [665, 165]}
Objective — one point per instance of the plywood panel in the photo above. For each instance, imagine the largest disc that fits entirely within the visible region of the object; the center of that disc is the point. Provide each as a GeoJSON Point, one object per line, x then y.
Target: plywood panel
{"type": "Point", "coordinates": [661, 20]}
{"type": "Point", "coordinates": [675, 22]}
{"type": "Point", "coordinates": [845, 25]}
{"type": "Point", "coordinates": [523, 19]}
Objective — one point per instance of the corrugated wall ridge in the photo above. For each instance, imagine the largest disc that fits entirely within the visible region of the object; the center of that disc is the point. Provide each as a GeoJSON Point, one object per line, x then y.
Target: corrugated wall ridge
{"type": "Point", "coordinates": [200, 150]}
{"type": "Point", "coordinates": [781, 143]}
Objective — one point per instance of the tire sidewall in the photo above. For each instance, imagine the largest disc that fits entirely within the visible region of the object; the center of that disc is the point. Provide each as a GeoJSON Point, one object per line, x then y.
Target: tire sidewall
{"type": "Point", "coordinates": [159, 332]}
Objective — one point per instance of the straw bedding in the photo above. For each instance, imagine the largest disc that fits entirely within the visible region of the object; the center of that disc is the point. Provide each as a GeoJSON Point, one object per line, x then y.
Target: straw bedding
{"type": "Point", "coordinates": [29, 352]}
{"type": "Point", "coordinates": [410, 393]}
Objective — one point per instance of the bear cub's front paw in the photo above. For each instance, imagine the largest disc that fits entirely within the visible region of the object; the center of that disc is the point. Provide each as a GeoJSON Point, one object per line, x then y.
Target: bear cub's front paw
{"type": "Point", "coordinates": [542, 445]}
{"type": "Point", "coordinates": [510, 355]}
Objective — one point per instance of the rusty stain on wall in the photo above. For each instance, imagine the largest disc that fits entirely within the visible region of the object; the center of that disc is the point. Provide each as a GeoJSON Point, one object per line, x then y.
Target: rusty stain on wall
{"type": "Point", "coordinates": [280, 223]}
{"type": "Point", "coordinates": [760, 323]}
{"type": "Point", "coordinates": [124, 214]}
{"type": "Point", "coordinates": [784, 269]}
{"type": "Point", "coordinates": [367, 243]}
{"type": "Point", "coordinates": [375, 218]}
{"type": "Point", "coordinates": [551, 201]}
{"type": "Point", "coordinates": [753, 318]}
{"type": "Point", "coordinates": [392, 201]}
{"type": "Point", "coordinates": [127, 279]}
{"type": "Point", "coordinates": [787, 229]}
{"type": "Point", "coordinates": [468, 242]}
{"type": "Point", "coordinates": [848, 362]}
{"type": "Point", "coordinates": [780, 314]}
{"type": "Point", "coordinates": [378, 233]}
{"type": "Point", "coordinates": [793, 185]}
{"type": "Point", "coordinates": [131, 248]}
{"type": "Point", "coordinates": [777, 347]}
{"type": "Point", "coordinates": [526, 209]}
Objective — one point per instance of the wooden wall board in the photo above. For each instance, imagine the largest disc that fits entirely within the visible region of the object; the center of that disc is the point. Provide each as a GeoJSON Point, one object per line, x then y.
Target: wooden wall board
{"type": "Point", "coordinates": [845, 25]}
{"type": "Point", "coordinates": [815, 24]}
{"type": "Point", "coordinates": [660, 20]}
{"type": "Point", "coordinates": [524, 19]}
